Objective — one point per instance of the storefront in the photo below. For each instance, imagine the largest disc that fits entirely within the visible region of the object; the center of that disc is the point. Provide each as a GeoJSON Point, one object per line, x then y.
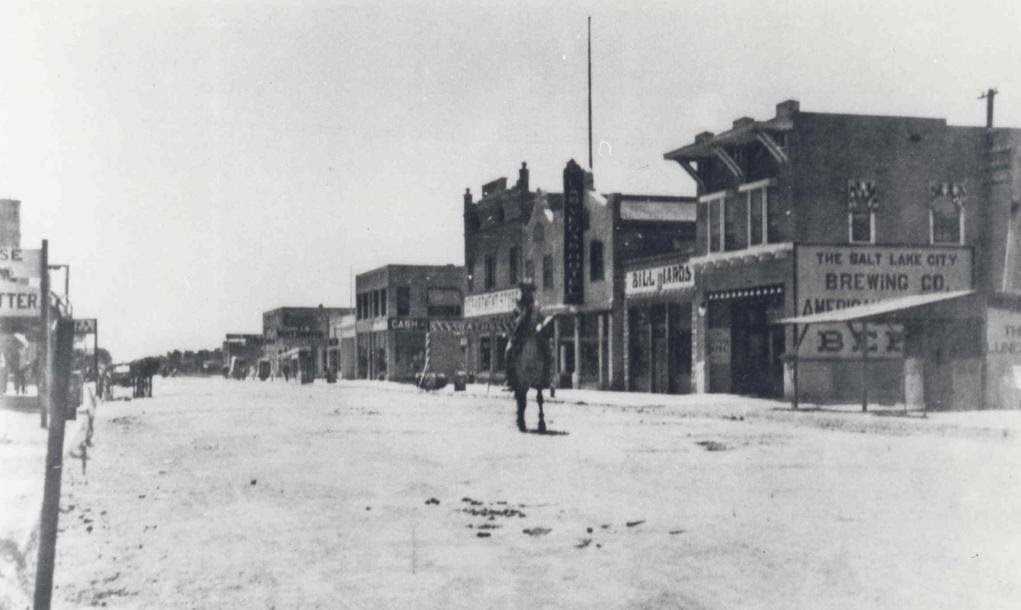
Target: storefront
{"type": "Point", "coordinates": [488, 321]}
{"type": "Point", "coordinates": [658, 331]}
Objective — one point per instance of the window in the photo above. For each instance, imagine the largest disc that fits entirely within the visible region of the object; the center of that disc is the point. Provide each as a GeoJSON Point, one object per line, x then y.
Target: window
{"type": "Point", "coordinates": [946, 221]}
{"type": "Point", "coordinates": [547, 271]}
{"type": "Point", "coordinates": [490, 272]}
{"type": "Point", "coordinates": [443, 302]}
{"type": "Point", "coordinates": [485, 353]}
{"type": "Point", "coordinates": [530, 271]}
{"type": "Point", "coordinates": [512, 266]}
{"type": "Point", "coordinates": [756, 216]}
{"type": "Point", "coordinates": [595, 261]}
{"type": "Point", "coordinates": [538, 233]}
{"type": "Point", "coordinates": [861, 222]}
{"type": "Point", "coordinates": [375, 303]}
{"type": "Point", "coordinates": [382, 302]}
{"type": "Point", "coordinates": [403, 301]}
{"type": "Point", "coordinates": [716, 225]}
{"type": "Point", "coordinates": [774, 217]}
{"type": "Point", "coordinates": [861, 211]}
{"type": "Point", "coordinates": [735, 219]}
{"type": "Point", "coordinates": [470, 266]}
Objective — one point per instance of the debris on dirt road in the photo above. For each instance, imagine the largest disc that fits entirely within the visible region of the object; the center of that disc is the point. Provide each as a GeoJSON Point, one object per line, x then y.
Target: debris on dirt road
{"type": "Point", "coordinates": [432, 501]}
{"type": "Point", "coordinates": [539, 531]}
{"type": "Point", "coordinates": [713, 445]}
{"type": "Point", "coordinates": [634, 523]}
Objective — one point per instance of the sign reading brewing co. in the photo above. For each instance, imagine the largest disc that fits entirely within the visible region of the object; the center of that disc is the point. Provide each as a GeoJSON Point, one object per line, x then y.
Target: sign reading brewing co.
{"type": "Point", "coordinates": [838, 277]}
{"type": "Point", "coordinates": [655, 279]}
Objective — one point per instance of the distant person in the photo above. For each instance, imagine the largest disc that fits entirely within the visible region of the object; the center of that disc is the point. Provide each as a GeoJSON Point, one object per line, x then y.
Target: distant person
{"type": "Point", "coordinates": [287, 373]}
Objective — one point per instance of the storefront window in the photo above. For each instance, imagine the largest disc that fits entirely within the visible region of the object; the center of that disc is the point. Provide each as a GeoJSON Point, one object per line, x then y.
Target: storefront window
{"type": "Point", "coordinates": [485, 353]}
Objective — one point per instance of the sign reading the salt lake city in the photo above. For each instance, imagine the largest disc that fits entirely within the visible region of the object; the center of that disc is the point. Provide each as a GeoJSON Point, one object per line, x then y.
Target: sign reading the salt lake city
{"type": "Point", "coordinates": [837, 277]}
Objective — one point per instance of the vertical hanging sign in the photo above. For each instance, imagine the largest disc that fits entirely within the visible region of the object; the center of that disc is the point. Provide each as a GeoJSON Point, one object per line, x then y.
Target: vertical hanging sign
{"type": "Point", "coordinates": [574, 242]}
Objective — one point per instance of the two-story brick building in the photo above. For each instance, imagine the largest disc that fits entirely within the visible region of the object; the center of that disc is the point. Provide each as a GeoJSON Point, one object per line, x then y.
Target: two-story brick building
{"type": "Point", "coordinates": [576, 259]}
{"type": "Point", "coordinates": [869, 247]}
{"type": "Point", "coordinates": [395, 308]}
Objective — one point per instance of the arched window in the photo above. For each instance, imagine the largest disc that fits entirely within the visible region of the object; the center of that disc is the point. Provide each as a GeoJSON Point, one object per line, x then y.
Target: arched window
{"type": "Point", "coordinates": [946, 214]}
{"type": "Point", "coordinates": [538, 233]}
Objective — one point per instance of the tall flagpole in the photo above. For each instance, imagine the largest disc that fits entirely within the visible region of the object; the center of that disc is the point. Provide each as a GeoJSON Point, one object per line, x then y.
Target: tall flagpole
{"type": "Point", "coordinates": [590, 93]}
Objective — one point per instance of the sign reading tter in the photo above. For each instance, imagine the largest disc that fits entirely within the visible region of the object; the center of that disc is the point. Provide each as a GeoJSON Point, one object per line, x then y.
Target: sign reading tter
{"type": "Point", "coordinates": [574, 234]}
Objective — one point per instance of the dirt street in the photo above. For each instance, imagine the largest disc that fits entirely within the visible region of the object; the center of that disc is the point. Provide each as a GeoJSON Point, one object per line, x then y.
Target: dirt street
{"type": "Point", "coordinates": [227, 494]}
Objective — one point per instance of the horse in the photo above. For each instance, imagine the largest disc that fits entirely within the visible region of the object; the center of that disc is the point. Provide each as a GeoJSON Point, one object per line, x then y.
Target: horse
{"type": "Point", "coordinates": [142, 372]}
{"type": "Point", "coordinates": [529, 356]}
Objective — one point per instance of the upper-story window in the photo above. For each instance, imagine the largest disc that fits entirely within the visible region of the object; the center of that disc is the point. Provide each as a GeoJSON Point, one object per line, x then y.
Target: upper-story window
{"type": "Point", "coordinates": [443, 302]}
{"type": "Point", "coordinates": [538, 233]}
{"type": "Point", "coordinates": [750, 216]}
{"type": "Point", "coordinates": [596, 269]}
{"type": "Point", "coordinates": [489, 272]}
{"type": "Point", "coordinates": [403, 301]}
{"type": "Point", "coordinates": [530, 270]}
{"type": "Point", "coordinates": [764, 213]}
{"type": "Point", "coordinates": [946, 214]}
{"type": "Point", "coordinates": [547, 271]}
{"type": "Point", "coordinates": [512, 265]}
{"type": "Point", "coordinates": [382, 302]}
{"type": "Point", "coordinates": [862, 204]}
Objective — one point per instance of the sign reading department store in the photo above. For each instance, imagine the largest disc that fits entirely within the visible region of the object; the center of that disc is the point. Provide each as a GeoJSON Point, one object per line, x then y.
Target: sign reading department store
{"type": "Point", "coordinates": [838, 277]}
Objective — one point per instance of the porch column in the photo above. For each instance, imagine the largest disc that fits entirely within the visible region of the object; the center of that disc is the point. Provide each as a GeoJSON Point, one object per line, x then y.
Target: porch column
{"type": "Point", "coordinates": [576, 375]}
{"type": "Point", "coordinates": [600, 320]}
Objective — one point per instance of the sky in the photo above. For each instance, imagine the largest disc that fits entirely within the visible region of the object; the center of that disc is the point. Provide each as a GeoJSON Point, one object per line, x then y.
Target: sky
{"type": "Point", "coordinates": [197, 163]}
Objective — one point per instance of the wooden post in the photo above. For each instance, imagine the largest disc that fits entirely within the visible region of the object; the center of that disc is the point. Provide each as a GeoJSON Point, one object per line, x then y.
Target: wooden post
{"type": "Point", "coordinates": [42, 367]}
{"type": "Point", "coordinates": [576, 375]}
{"type": "Point", "coordinates": [57, 389]}
{"type": "Point", "coordinates": [864, 366]}
{"type": "Point", "coordinates": [600, 319]}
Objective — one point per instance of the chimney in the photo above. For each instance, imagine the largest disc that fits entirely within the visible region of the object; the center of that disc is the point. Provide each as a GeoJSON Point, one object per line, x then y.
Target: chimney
{"type": "Point", "coordinates": [703, 137]}
{"type": "Point", "coordinates": [467, 198]}
{"type": "Point", "coordinates": [787, 109]}
{"type": "Point", "coordinates": [741, 122]}
{"type": "Point", "coordinates": [523, 178]}
{"type": "Point", "coordinates": [10, 223]}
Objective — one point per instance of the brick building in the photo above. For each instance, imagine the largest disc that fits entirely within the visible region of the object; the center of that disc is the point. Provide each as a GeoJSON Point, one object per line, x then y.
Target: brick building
{"type": "Point", "coordinates": [855, 256]}
{"type": "Point", "coordinates": [297, 338]}
{"type": "Point", "coordinates": [494, 230]}
{"type": "Point", "coordinates": [396, 305]}
{"type": "Point", "coordinates": [245, 347]}
{"type": "Point", "coordinates": [609, 233]}
{"type": "Point", "coordinates": [572, 246]}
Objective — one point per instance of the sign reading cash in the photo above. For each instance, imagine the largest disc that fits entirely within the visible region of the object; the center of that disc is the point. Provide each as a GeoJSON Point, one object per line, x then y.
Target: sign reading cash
{"type": "Point", "coordinates": [837, 277]}
{"type": "Point", "coordinates": [574, 234]}
{"type": "Point", "coordinates": [656, 279]}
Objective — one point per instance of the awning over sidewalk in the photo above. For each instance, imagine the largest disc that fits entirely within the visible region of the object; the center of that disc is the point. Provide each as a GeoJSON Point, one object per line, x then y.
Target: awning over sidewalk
{"type": "Point", "coordinates": [872, 310]}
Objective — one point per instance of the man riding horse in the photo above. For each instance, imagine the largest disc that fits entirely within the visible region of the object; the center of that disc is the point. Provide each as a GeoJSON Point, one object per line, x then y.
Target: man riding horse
{"type": "Point", "coordinates": [529, 356]}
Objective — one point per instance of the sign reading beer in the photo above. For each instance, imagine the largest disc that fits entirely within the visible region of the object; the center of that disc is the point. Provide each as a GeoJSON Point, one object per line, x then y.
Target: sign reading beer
{"type": "Point", "coordinates": [656, 279]}
{"type": "Point", "coordinates": [574, 234]}
{"type": "Point", "coordinates": [408, 324]}
{"type": "Point", "coordinates": [87, 326]}
{"type": "Point", "coordinates": [490, 303]}
{"type": "Point", "coordinates": [18, 263]}
{"type": "Point", "coordinates": [19, 300]}
{"type": "Point", "coordinates": [838, 277]}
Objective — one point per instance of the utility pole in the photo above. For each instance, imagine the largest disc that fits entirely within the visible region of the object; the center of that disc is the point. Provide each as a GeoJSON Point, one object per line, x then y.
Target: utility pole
{"type": "Point", "coordinates": [988, 96]}
{"type": "Point", "coordinates": [590, 93]}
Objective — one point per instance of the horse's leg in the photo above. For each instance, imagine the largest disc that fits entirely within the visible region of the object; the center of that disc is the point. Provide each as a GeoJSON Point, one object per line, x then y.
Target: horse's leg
{"type": "Point", "coordinates": [521, 398]}
{"type": "Point", "coordinates": [542, 419]}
